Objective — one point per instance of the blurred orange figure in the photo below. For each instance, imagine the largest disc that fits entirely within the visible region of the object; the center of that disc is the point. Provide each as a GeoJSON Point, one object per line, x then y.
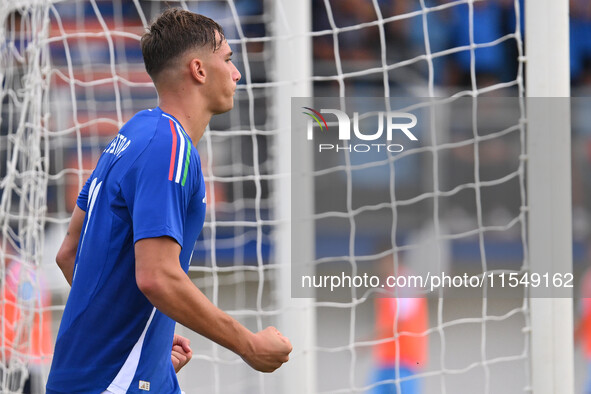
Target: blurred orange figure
{"type": "Point", "coordinates": [583, 326]}
{"type": "Point", "coordinates": [401, 324]}
{"type": "Point", "coordinates": [26, 326]}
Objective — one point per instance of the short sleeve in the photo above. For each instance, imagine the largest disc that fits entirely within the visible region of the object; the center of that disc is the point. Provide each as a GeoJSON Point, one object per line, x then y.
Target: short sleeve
{"type": "Point", "coordinates": [82, 200]}
{"type": "Point", "coordinates": [157, 203]}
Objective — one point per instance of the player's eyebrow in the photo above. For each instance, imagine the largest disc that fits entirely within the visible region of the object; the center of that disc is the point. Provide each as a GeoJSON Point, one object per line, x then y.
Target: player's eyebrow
{"type": "Point", "coordinates": [229, 54]}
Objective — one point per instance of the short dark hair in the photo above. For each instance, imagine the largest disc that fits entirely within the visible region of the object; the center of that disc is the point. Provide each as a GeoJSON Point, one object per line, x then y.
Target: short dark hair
{"type": "Point", "coordinates": [173, 33]}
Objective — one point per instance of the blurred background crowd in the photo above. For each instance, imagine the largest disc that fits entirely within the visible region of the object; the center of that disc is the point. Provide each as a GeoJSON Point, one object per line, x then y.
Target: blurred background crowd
{"type": "Point", "coordinates": [352, 55]}
{"type": "Point", "coordinates": [447, 28]}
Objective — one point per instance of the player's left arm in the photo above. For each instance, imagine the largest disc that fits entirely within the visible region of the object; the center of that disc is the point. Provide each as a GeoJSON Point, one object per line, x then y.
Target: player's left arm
{"type": "Point", "coordinates": [66, 256]}
{"type": "Point", "coordinates": [181, 352]}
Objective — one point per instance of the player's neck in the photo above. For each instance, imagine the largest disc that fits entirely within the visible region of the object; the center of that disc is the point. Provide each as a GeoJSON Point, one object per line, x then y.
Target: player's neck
{"type": "Point", "coordinates": [193, 118]}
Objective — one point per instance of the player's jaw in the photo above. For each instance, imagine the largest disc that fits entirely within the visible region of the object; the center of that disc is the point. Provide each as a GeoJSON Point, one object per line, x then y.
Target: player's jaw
{"type": "Point", "coordinates": [224, 78]}
{"type": "Point", "coordinates": [222, 99]}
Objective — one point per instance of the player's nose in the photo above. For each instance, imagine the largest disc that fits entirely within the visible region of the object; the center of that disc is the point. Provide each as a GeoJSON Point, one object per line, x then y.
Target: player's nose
{"type": "Point", "coordinates": [236, 75]}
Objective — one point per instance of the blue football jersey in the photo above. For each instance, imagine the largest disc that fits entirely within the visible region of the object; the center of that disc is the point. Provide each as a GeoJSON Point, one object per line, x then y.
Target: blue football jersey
{"type": "Point", "coordinates": [147, 183]}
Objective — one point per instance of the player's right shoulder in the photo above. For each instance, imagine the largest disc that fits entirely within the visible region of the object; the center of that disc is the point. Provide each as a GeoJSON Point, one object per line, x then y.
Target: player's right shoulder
{"type": "Point", "coordinates": [151, 124]}
{"type": "Point", "coordinates": [141, 130]}
{"type": "Point", "coordinates": [143, 125]}
{"type": "Point", "coordinates": [159, 141]}
{"type": "Point", "coordinates": [131, 142]}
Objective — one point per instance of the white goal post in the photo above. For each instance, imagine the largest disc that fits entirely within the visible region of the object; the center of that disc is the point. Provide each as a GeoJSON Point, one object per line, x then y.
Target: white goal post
{"type": "Point", "coordinates": [293, 22]}
{"type": "Point", "coordinates": [549, 190]}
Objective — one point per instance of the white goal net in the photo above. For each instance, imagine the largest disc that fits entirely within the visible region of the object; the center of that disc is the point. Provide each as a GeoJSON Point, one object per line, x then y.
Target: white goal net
{"type": "Point", "coordinates": [72, 74]}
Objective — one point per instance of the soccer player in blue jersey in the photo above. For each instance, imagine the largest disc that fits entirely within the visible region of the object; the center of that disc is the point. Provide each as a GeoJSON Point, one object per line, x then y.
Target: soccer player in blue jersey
{"type": "Point", "coordinates": [131, 236]}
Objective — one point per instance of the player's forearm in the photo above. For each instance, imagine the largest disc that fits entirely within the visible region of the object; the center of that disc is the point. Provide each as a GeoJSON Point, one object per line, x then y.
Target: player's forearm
{"type": "Point", "coordinates": [175, 295]}
{"type": "Point", "coordinates": [67, 267]}
{"type": "Point", "coordinates": [66, 256]}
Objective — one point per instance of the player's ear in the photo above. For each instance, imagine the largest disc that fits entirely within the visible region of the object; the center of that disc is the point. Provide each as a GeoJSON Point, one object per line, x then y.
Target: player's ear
{"type": "Point", "coordinates": [197, 70]}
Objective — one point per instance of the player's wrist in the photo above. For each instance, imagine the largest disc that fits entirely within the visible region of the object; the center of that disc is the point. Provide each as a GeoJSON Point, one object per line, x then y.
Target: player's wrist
{"type": "Point", "coordinates": [246, 344]}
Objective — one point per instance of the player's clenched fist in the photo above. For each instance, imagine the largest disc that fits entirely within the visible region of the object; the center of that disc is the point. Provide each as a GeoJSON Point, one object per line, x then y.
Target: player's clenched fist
{"type": "Point", "coordinates": [267, 350]}
{"type": "Point", "coordinates": [181, 352]}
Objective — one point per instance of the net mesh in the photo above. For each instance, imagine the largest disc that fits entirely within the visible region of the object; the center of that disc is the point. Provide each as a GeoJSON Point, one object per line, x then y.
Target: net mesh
{"type": "Point", "coordinates": [72, 74]}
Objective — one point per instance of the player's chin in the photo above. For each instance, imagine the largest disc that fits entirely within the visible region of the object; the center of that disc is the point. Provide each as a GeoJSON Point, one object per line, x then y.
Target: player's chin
{"type": "Point", "coordinates": [225, 107]}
